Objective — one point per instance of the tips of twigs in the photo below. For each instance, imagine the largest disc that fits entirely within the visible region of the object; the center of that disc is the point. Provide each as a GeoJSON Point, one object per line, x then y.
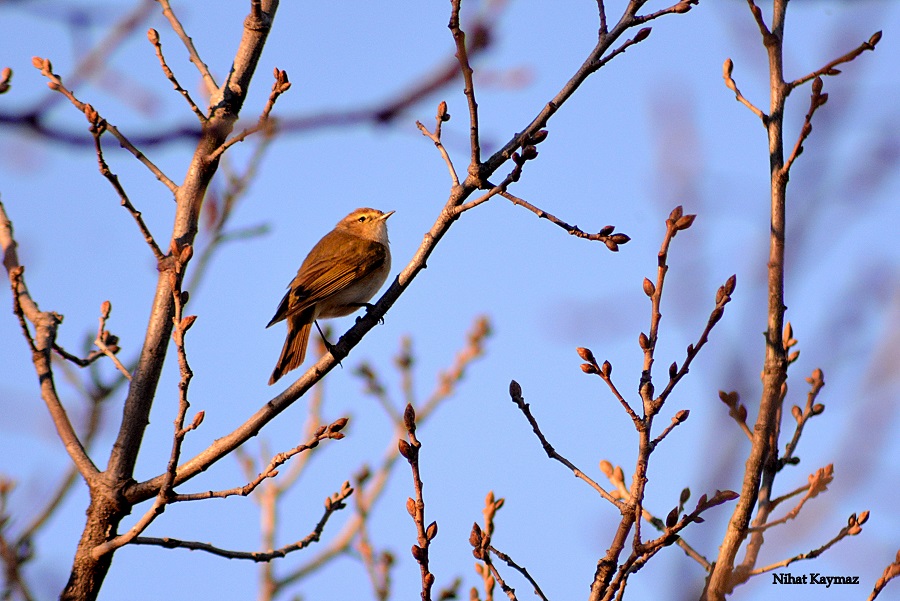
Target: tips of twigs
{"type": "Point", "coordinates": [282, 84]}
{"type": "Point", "coordinates": [442, 113]}
{"type": "Point", "coordinates": [408, 451]}
{"type": "Point", "coordinates": [475, 537]}
{"type": "Point", "coordinates": [5, 78]}
{"type": "Point", "coordinates": [644, 33]}
{"type": "Point", "coordinates": [153, 36]}
{"type": "Point", "coordinates": [515, 390]}
{"type": "Point", "coordinates": [727, 68]}
{"type": "Point", "coordinates": [606, 467]}
{"type": "Point", "coordinates": [586, 354]}
{"type": "Point", "coordinates": [431, 531]}
{"type": "Point", "coordinates": [876, 37]}
{"type": "Point", "coordinates": [409, 419]}
{"type": "Point", "coordinates": [854, 523]}
{"type": "Point", "coordinates": [672, 518]}
{"type": "Point", "coordinates": [187, 322]}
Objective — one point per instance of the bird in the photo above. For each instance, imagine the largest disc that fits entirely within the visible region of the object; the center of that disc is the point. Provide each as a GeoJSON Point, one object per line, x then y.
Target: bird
{"type": "Point", "coordinates": [339, 275]}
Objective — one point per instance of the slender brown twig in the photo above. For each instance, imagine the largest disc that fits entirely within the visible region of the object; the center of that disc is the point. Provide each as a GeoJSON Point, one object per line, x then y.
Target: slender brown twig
{"type": "Point", "coordinates": [332, 504]}
{"type": "Point", "coordinates": [424, 534]}
{"type": "Point", "coordinates": [153, 36]}
{"type": "Point", "coordinates": [55, 83]}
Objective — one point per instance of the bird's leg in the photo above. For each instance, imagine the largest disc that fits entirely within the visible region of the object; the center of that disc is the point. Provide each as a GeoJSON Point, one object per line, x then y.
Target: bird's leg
{"type": "Point", "coordinates": [331, 348]}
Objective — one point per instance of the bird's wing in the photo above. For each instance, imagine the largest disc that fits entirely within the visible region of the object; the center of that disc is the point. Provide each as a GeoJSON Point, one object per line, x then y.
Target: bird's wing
{"type": "Point", "coordinates": [318, 279]}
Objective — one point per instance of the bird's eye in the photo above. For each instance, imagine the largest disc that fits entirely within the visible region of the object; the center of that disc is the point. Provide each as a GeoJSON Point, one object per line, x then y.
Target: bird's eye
{"type": "Point", "coordinates": [362, 218]}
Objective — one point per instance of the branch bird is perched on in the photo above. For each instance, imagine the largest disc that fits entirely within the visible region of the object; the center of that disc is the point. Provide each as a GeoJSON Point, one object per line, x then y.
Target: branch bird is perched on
{"type": "Point", "coordinates": [339, 275]}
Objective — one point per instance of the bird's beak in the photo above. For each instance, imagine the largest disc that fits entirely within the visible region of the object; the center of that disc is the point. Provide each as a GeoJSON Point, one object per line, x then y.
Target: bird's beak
{"type": "Point", "coordinates": [386, 215]}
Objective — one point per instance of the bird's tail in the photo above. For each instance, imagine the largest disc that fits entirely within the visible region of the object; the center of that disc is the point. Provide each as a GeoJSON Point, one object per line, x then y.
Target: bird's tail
{"type": "Point", "coordinates": [294, 350]}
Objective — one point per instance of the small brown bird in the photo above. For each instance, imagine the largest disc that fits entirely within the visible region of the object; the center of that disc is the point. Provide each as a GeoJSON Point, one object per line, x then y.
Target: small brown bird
{"type": "Point", "coordinates": [339, 275]}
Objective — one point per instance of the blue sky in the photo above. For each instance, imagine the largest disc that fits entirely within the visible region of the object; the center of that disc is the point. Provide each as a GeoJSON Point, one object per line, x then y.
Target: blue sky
{"type": "Point", "coordinates": [653, 129]}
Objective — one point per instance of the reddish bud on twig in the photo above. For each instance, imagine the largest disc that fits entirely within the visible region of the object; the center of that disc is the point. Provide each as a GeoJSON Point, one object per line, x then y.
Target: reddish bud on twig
{"type": "Point", "coordinates": [797, 413]}
{"type": "Point", "coordinates": [418, 553]}
{"type": "Point", "coordinates": [475, 536]}
{"type": "Point", "coordinates": [539, 136]}
{"type": "Point", "coordinates": [685, 495]}
{"type": "Point", "coordinates": [529, 152]}
{"type": "Point", "coordinates": [673, 370]}
{"type": "Point", "coordinates": [187, 322]}
{"type": "Point", "coordinates": [431, 531]}
{"type": "Point", "coordinates": [442, 113]}
{"type": "Point", "coordinates": [153, 36]}
{"type": "Point", "coordinates": [644, 341]}
{"type": "Point", "coordinates": [682, 415]}
{"type": "Point", "coordinates": [409, 418]}
{"type": "Point", "coordinates": [515, 390]}
{"type": "Point", "coordinates": [727, 68]}
{"type": "Point", "coordinates": [338, 424]}
{"type": "Point", "coordinates": [588, 368]}
{"type": "Point", "coordinates": [730, 284]}
{"type": "Point", "coordinates": [405, 449]}
{"type": "Point", "coordinates": [649, 288]}
{"type": "Point", "coordinates": [606, 467]}
{"type": "Point", "coordinates": [876, 37]}
{"type": "Point", "coordinates": [672, 518]}
{"type": "Point", "coordinates": [411, 507]}
{"type": "Point", "coordinates": [817, 86]}
{"type": "Point", "coordinates": [817, 409]}
{"type": "Point", "coordinates": [642, 34]}
{"type": "Point", "coordinates": [676, 213]}
{"type": "Point", "coordinates": [586, 354]}
{"type": "Point", "coordinates": [198, 419]}
{"type": "Point", "coordinates": [105, 309]}
{"type": "Point", "coordinates": [607, 230]}
{"type": "Point", "coordinates": [685, 222]}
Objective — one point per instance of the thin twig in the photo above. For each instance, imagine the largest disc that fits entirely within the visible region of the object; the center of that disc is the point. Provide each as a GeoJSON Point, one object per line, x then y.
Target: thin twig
{"type": "Point", "coordinates": [103, 337]}
{"type": "Point", "coordinates": [280, 86]}
{"type": "Point", "coordinates": [515, 393]}
{"type": "Point", "coordinates": [442, 115]}
{"type": "Point", "coordinates": [462, 56]}
{"type": "Point", "coordinates": [424, 534]}
{"type": "Point", "coordinates": [853, 527]}
{"type": "Point", "coordinates": [55, 83]}
{"type": "Point", "coordinates": [727, 68]}
{"type": "Point", "coordinates": [334, 503]}
{"type": "Point", "coordinates": [211, 86]}
{"type": "Point", "coordinates": [153, 36]}
{"type": "Point", "coordinates": [829, 69]}
{"type": "Point", "coordinates": [331, 431]}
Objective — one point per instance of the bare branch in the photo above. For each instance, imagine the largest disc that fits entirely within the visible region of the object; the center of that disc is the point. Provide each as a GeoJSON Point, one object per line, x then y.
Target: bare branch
{"type": "Point", "coordinates": [332, 504]}
{"type": "Point", "coordinates": [211, 86]}
{"type": "Point", "coordinates": [727, 68]}
{"type": "Point", "coordinates": [853, 527]}
{"type": "Point", "coordinates": [153, 36]}
{"type": "Point", "coordinates": [515, 393]}
{"type": "Point", "coordinates": [55, 83]}
{"type": "Point", "coordinates": [829, 69]}
{"type": "Point", "coordinates": [42, 344]}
